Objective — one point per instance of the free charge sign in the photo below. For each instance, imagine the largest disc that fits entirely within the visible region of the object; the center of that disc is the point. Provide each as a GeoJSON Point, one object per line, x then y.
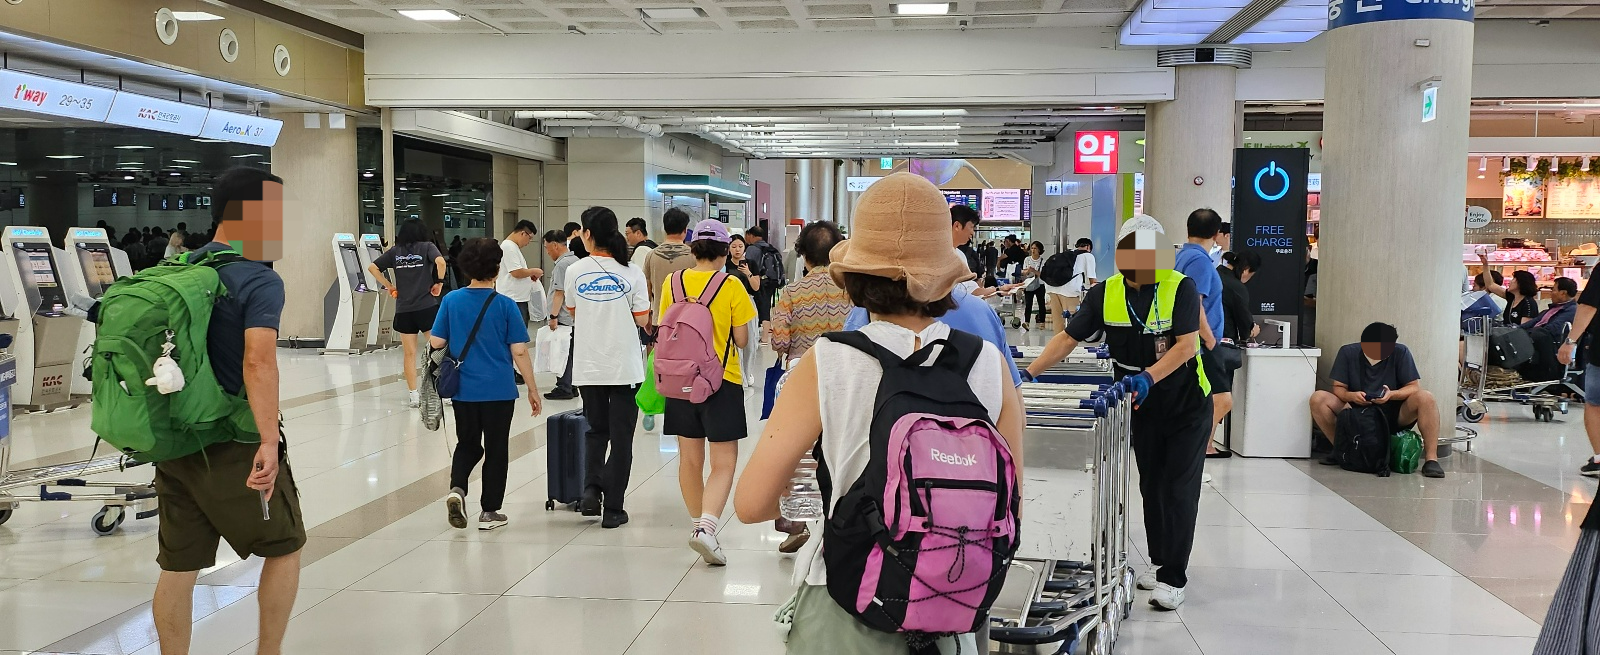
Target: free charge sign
{"type": "Point", "coordinates": [1269, 218]}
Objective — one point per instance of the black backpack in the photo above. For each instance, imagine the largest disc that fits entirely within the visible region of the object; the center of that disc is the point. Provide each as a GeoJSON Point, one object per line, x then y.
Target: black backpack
{"type": "Point", "coordinates": [1362, 442]}
{"type": "Point", "coordinates": [771, 262]}
{"type": "Point", "coordinates": [1058, 268]}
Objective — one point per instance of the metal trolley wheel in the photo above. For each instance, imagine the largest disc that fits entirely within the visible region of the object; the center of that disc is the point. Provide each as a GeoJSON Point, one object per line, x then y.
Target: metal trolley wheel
{"type": "Point", "coordinates": [108, 519]}
{"type": "Point", "coordinates": [1472, 411]}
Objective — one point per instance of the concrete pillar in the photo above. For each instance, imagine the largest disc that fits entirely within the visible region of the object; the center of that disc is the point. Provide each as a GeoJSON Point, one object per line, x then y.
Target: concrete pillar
{"type": "Point", "coordinates": [386, 123]}
{"type": "Point", "coordinates": [794, 190]}
{"type": "Point", "coordinates": [53, 204]}
{"type": "Point", "coordinates": [826, 188]}
{"type": "Point", "coordinates": [318, 167]}
{"type": "Point", "coordinates": [1190, 137]}
{"type": "Point", "coordinates": [505, 196]}
{"type": "Point", "coordinates": [1391, 209]}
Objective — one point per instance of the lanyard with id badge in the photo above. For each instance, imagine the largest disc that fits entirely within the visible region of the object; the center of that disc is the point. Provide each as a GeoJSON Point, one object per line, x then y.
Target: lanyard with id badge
{"type": "Point", "coordinates": [1162, 342]}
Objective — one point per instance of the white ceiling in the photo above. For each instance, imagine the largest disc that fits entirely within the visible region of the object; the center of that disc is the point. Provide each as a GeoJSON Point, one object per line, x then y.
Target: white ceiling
{"type": "Point", "coordinates": [1539, 9]}
{"type": "Point", "coordinates": [624, 16]}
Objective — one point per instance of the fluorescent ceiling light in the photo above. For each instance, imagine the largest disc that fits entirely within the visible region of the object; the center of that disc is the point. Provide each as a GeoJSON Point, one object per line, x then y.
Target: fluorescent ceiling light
{"type": "Point", "coordinates": [921, 8]}
{"type": "Point", "coordinates": [208, 140]}
{"type": "Point", "coordinates": [63, 156]}
{"type": "Point", "coordinates": [8, 163]}
{"type": "Point", "coordinates": [175, 174]}
{"type": "Point", "coordinates": [127, 177]}
{"type": "Point", "coordinates": [133, 147]}
{"type": "Point", "coordinates": [673, 13]}
{"type": "Point", "coordinates": [185, 161]}
{"type": "Point", "coordinates": [248, 154]}
{"type": "Point", "coordinates": [195, 15]}
{"type": "Point", "coordinates": [430, 14]}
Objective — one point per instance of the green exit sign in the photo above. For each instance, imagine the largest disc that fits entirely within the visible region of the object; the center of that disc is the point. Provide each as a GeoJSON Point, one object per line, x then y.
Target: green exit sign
{"type": "Point", "coordinates": [886, 163]}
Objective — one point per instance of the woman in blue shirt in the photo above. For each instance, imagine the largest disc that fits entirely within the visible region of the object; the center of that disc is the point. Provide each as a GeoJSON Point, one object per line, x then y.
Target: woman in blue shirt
{"type": "Point", "coordinates": [488, 393]}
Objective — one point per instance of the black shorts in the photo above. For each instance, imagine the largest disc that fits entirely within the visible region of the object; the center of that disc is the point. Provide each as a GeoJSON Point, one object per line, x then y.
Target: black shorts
{"type": "Point", "coordinates": [415, 322]}
{"type": "Point", "coordinates": [719, 419]}
{"type": "Point", "coordinates": [1221, 378]}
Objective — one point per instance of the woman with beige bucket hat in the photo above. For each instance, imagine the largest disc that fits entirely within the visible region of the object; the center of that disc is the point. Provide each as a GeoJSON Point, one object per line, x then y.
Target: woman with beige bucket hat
{"type": "Point", "coordinates": [900, 267]}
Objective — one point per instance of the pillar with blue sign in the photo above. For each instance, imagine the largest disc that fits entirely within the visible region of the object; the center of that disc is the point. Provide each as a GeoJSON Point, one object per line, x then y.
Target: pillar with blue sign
{"type": "Point", "coordinates": [1398, 90]}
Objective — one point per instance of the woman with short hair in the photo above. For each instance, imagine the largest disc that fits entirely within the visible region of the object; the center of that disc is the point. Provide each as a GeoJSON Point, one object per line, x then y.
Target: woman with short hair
{"type": "Point", "coordinates": [418, 280]}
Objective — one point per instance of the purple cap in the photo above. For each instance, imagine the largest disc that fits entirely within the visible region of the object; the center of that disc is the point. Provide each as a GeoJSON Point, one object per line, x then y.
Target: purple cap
{"type": "Point", "coordinates": [711, 230]}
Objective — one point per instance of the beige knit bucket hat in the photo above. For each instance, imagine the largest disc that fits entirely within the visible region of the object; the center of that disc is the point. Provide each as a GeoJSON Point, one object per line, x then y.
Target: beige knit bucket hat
{"type": "Point", "coordinates": [901, 231]}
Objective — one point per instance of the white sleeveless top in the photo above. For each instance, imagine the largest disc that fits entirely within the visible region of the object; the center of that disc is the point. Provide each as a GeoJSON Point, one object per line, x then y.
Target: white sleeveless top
{"type": "Point", "coordinates": [847, 384]}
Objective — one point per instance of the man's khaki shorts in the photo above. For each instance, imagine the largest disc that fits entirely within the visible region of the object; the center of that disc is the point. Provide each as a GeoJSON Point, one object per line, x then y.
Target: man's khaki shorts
{"type": "Point", "coordinates": [204, 499]}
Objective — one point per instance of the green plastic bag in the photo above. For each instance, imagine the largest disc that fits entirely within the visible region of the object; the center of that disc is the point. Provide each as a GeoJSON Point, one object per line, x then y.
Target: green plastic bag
{"type": "Point", "coordinates": [1405, 452]}
{"type": "Point", "coordinates": [649, 401]}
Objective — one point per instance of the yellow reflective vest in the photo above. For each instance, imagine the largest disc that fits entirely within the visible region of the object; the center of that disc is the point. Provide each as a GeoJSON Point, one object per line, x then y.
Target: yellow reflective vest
{"type": "Point", "coordinates": [1114, 312]}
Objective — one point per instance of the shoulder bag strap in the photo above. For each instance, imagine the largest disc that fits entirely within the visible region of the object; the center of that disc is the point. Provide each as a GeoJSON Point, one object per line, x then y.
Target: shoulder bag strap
{"type": "Point", "coordinates": [473, 335]}
{"type": "Point", "coordinates": [679, 293]}
{"type": "Point", "coordinates": [865, 344]}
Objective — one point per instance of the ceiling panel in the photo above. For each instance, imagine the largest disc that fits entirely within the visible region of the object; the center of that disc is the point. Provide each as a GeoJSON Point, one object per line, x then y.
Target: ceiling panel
{"type": "Point", "coordinates": [603, 16]}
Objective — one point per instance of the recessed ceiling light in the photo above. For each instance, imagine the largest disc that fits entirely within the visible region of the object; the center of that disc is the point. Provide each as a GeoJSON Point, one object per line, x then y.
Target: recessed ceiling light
{"type": "Point", "coordinates": [127, 177]}
{"type": "Point", "coordinates": [8, 163]}
{"type": "Point", "coordinates": [208, 140]}
{"type": "Point", "coordinates": [133, 147]}
{"type": "Point", "coordinates": [367, 174]}
{"type": "Point", "coordinates": [175, 174]}
{"type": "Point", "coordinates": [430, 14]}
{"type": "Point", "coordinates": [185, 161]}
{"type": "Point", "coordinates": [195, 15]}
{"type": "Point", "coordinates": [248, 154]}
{"type": "Point", "coordinates": [63, 156]}
{"type": "Point", "coordinates": [921, 8]}
{"type": "Point", "coordinates": [673, 13]}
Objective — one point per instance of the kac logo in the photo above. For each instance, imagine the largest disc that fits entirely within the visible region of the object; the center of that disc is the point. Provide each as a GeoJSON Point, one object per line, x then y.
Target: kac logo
{"type": "Point", "coordinates": [1272, 170]}
{"type": "Point", "coordinates": [601, 286]}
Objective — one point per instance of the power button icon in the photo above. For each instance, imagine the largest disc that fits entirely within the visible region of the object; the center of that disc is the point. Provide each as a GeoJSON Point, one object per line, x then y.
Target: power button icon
{"type": "Point", "coordinates": [1272, 170]}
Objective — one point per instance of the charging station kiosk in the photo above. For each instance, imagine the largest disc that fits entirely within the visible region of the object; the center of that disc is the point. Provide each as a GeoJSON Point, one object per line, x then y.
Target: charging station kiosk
{"type": "Point", "coordinates": [347, 309]}
{"type": "Point", "coordinates": [380, 332]}
{"type": "Point", "coordinates": [89, 265]}
{"type": "Point", "coordinates": [47, 331]}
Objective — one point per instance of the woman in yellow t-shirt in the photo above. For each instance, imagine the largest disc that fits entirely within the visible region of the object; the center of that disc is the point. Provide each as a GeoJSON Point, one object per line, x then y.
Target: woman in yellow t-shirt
{"type": "Point", "coordinates": [719, 420]}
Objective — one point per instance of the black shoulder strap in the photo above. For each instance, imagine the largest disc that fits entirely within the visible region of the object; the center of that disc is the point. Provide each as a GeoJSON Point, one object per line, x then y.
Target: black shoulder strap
{"type": "Point", "coordinates": [473, 335]}
{"type": "Point", "coordinates": [959, 353]}
{"type": "Point", "coordinates": [865, 344]}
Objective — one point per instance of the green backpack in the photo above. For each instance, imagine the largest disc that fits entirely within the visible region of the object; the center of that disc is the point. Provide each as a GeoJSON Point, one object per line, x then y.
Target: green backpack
{"type": "Point", "coordinates": [138, 315]}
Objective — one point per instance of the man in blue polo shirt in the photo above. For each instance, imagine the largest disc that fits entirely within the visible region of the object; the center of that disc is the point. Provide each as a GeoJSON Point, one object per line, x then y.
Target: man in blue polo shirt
{"type": "Point", "coordinates": [1194, 262]}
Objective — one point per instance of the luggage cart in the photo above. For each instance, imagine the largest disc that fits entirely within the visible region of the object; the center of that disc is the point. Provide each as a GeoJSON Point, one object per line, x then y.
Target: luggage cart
{"type": "Point", "coordinates": [1544, 397]}
{"type": "Point", "coordinates": [1474, 369]}
{"type": "Point", "coordinates": [56, 482]}
{"type": "Point", "coordinates": [1070, 584]}
{"type": "Point", "coordinates": [1086, 365]}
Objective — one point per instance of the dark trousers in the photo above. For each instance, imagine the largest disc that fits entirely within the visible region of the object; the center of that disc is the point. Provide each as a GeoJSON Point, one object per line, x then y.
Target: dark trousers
{"type": "Point", "coordinates": [483, 431]}
{"type": "Point", "coordinates": [1028, 300]}
{"type": "Point", "coordinates": [611, 413]}
{"type": "Point", "coordinates": [1171, 454]}
{"type": "Point", "coordinates": [564, 381]}
{"type": "Point", "coordinates": [763, 300]}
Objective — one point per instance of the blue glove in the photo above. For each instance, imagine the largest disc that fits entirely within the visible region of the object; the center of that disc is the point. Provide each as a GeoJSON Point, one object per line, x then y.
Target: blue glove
{"type": "Point", "coordinates": [1139, 385]}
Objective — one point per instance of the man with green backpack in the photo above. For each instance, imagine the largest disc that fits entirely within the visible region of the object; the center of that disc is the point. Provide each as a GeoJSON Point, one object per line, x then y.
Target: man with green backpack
{"type": "Point", "coordinates": [185, 374]}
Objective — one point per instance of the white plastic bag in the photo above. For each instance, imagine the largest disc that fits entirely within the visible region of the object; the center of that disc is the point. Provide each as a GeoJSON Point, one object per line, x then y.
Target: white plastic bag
{"type": "Point", "coordinates": [550, 349]}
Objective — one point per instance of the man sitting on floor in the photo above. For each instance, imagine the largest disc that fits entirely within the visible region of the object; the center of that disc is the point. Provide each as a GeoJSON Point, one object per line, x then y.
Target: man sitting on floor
{"type": "Point", "coordinates": [1380, 371]}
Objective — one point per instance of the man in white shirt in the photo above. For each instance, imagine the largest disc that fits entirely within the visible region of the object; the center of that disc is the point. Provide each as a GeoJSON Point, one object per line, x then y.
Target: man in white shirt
{"type": "Point", "coordinates": [517, 281]}
{"type": "Point", "coordinates": [1064, 299]}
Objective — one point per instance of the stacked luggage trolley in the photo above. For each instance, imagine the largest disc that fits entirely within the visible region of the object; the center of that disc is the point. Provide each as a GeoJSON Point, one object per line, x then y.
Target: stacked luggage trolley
{"type": "Point", "coordinates": [1089, 364]}
{"type": "Point", "coordinates": [1070, 583]}
{"type": "Point", "coordinates": [1545, 397]}
{"type": "Point", "coordinates": [54, 483]}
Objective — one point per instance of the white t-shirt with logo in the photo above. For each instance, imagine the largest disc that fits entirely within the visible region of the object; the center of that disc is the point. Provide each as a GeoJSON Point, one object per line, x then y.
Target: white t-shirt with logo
{"type": "Point", "coordinates": [511, 259]}
{"type": "Point", "coordinates": [603, 297]}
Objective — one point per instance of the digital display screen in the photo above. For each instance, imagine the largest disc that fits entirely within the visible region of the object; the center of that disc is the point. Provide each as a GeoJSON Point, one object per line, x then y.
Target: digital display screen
{"type": "Point", "coordinates": [103, 197]}
{"type": "Point", "coordinates": [38, 272]}
{"type": "Point", "coordinates": [353, 268]}
{"type": "Point", "coordinates": [98, 274]}
{"type": "Point", "coordinates": [124, 197]}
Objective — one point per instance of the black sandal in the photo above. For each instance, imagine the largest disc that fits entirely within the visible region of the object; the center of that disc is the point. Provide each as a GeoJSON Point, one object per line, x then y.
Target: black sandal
{"type": "Point", "coordinates": [1221, 454]}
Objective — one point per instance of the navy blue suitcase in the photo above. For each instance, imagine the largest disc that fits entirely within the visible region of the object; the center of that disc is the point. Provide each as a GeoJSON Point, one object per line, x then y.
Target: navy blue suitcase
{"type": "Point", "coordinates": [565, 434]}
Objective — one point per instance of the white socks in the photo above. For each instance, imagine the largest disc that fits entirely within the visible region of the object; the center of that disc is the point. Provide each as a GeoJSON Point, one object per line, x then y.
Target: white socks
{"type": "Point", "coordinates": [707, 523]}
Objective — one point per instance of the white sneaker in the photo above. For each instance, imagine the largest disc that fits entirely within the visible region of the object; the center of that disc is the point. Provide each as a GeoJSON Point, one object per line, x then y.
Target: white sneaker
{"type": "Point", "coordinates": [706, 544]}
{"type": "Point", "coordinates": [1166, 596]}
{"type": "Point", "coordinates": [413, 398]}
{"type": "Point", "coordinates": [1205, 478]}
{"type": "Point", "coordinates": [1147, 580]}
{"type": "Point", "coordinates": [455, 508]}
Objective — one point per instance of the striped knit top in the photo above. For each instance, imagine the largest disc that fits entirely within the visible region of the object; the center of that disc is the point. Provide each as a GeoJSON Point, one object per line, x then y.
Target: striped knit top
{"type": "Point", "coordinates": [809, 308]}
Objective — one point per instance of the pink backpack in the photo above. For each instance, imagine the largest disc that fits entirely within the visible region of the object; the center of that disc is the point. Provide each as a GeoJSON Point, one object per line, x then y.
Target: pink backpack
{"type": "Point", "coordinates": [687, 366]}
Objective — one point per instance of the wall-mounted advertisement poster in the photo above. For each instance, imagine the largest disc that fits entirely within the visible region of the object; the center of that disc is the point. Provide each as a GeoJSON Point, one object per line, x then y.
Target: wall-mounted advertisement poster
{"type": "Point", "coordinates": [1577, 197]}
{"type": "Point", "coordinates": [1524, 198]}
{"type": "Point", "coordinates": [1002, 204]}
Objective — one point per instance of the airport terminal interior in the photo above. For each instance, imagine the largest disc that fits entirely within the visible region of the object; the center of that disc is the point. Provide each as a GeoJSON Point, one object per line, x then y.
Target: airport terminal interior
{"type": "Point", "coordinates": [1332, 142]}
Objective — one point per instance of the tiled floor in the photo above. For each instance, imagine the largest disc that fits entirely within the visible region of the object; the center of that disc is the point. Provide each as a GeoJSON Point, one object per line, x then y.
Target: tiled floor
{"type": "Point", "coordinates": [1290, 558]}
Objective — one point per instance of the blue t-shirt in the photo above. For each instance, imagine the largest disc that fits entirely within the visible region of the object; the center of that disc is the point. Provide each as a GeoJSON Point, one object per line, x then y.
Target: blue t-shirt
{"type": "Point", "coordinates": [255, 300]}
{"type": "Point", "coordinates": [971, 315]}
{"type": "Point", "coordinates": [1194, 263]}
{"type": "Point", "coordinates": [487, 374]}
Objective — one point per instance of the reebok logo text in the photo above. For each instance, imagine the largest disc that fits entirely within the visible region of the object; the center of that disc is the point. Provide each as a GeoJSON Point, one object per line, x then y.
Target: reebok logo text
{"type": "Point", "coordinates": [958, 460]}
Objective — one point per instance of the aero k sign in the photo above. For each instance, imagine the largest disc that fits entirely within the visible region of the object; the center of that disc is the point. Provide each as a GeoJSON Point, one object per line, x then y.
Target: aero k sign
{"type": "Point", "coordinates": [242, 128]}
{"type": "Point", "coordinates": [1094, 153]}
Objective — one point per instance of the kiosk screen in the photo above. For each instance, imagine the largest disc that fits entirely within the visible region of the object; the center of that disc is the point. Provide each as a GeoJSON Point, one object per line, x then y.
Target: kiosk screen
{"type": "Point", "coordinates": [38, 272]}
{"type": "Point", "coordinates": [352, 267]}
{"type": "Point", "coordinates": [95, 258]}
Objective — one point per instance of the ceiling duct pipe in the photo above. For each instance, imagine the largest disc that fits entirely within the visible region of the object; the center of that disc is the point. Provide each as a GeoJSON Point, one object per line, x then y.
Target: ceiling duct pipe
{"type": "Point", "coordinates": [608, 117]}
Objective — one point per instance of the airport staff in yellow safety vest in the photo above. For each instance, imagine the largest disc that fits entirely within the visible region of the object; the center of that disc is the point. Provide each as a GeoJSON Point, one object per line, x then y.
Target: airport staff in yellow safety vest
{"type": "Point", "coordinates": [1150, 315]}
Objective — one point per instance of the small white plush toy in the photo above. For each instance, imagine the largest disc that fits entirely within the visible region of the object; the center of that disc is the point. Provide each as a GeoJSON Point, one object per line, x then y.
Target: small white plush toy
{"type": "Point", "coordinates": [168, 377]}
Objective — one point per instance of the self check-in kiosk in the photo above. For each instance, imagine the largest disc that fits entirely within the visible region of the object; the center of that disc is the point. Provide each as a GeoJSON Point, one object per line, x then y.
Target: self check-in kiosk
{"type": "Point", "coordinates": [32, 292]}
{"type": "Point", "coordinates": [89, 265]}
{"type": "Point", "coordinates": [380, 331]}
{"type": "Point", "coordinates": [347, 309]}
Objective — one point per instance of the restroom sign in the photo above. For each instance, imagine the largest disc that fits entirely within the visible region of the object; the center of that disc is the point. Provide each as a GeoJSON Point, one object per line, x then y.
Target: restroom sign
{"type": "Point", "coordinates": [1094, 153]}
